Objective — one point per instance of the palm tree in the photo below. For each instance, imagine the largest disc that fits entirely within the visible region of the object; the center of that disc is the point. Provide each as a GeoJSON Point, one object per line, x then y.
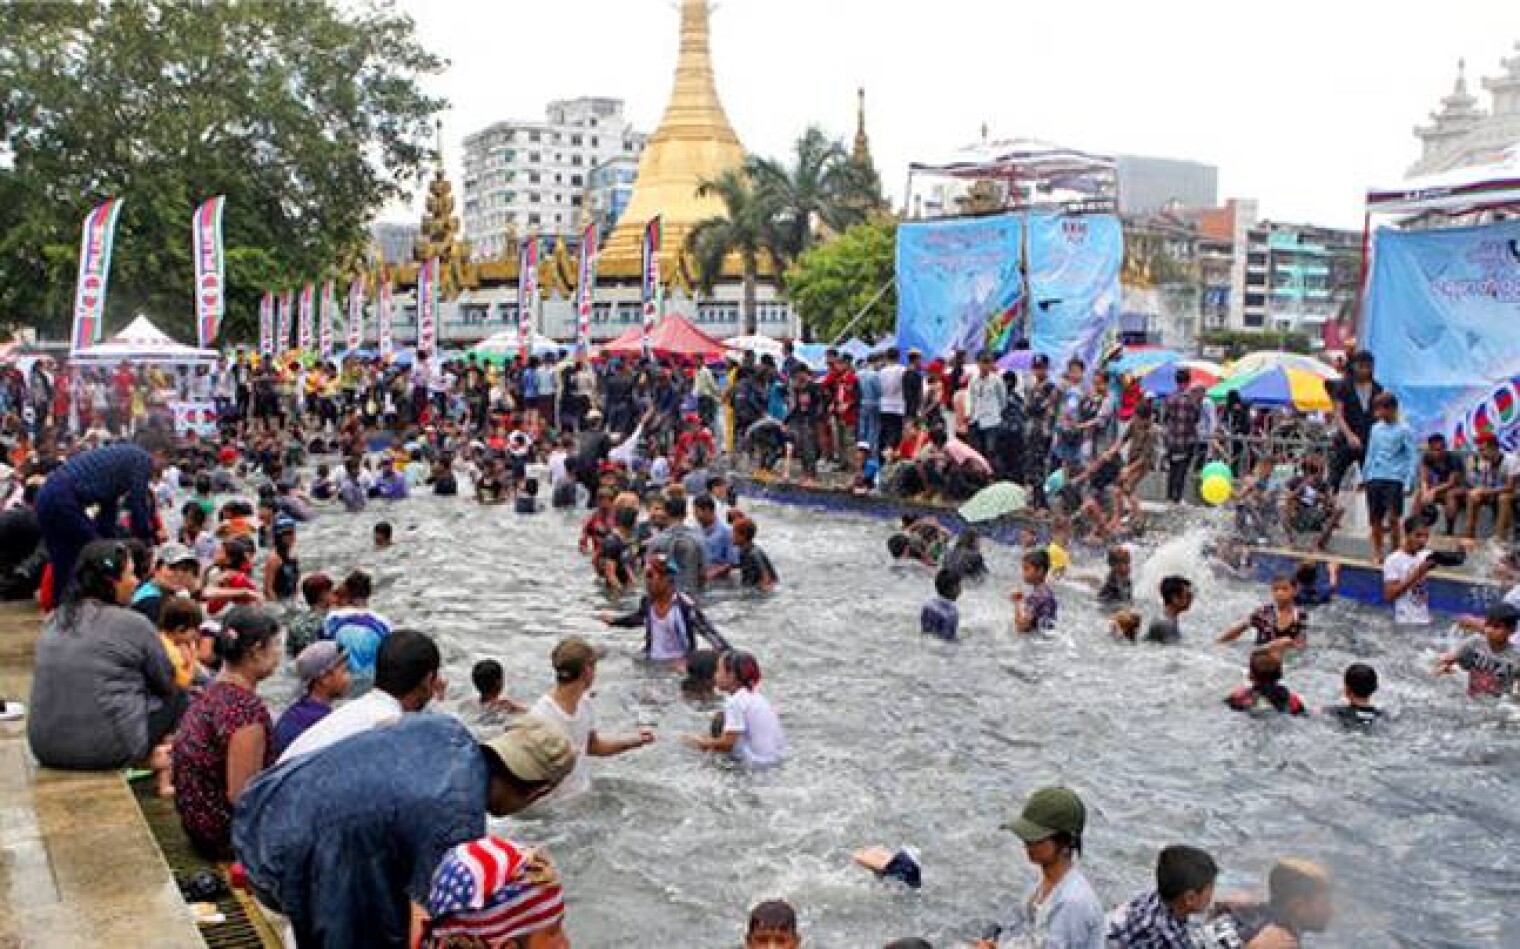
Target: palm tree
{"type": "Point", "coordinates": [744, 229]}
{"type": "Point", "coordinates": [821, 190]}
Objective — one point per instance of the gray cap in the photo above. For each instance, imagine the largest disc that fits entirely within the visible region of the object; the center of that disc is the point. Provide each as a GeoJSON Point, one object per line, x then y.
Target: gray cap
{"type": "Point", "coordinates": [172, 555]}
{"type": "Point", "coordinates": [318, 659]}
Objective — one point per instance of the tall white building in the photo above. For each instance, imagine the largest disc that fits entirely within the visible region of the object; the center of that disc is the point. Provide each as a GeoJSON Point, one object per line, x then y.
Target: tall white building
{"type": "Point", "coordinates": [533, 177]}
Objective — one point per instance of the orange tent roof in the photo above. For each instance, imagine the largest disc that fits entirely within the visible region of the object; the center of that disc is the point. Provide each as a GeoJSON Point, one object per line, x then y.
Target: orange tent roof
{"type": "Point", "coordinates": [672, 336]}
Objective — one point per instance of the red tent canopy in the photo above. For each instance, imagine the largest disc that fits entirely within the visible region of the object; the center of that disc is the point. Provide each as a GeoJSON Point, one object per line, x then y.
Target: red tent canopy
{"type": "Point", "coordinates": [672, 336]}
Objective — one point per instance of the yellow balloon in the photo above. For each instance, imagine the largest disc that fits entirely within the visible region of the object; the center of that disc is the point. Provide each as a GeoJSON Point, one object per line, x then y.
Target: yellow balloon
{"type": "Point", "coordinates": [1215, 490]}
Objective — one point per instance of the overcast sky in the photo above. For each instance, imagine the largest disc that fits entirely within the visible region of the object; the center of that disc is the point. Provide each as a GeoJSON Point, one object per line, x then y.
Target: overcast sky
{"type": "Point", "coordinates": [1300, 103]}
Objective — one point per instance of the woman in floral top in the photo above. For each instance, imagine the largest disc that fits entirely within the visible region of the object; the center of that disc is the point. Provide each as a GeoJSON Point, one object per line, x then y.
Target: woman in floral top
{"type": "Point", "coordinates": [225, 739]}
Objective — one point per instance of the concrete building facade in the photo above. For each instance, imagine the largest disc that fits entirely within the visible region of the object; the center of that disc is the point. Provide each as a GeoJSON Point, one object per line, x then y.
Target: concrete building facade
{"type": "Point", "coordinates": [533, 177]}
{"type": "Point", "coordinates": [1462, 134]}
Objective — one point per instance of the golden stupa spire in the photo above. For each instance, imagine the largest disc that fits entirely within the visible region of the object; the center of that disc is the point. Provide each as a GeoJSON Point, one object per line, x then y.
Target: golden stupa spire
{"type": "Point", "coordinates": [694, 143]}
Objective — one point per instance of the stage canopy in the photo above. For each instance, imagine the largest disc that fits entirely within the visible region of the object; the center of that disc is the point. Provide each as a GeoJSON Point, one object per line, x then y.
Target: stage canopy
{"type": "Point", "coordinates": [142, 342]}
{"type": "Point", "coordinates": [672, 336]}
{"type": "Point", "coordinates": [1460, 191]}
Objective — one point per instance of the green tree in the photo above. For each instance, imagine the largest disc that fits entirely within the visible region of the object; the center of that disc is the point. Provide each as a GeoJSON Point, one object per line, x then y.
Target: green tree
{"type": "Point", "coordinates": [308, 116]}
{"type": "Point", "coordinates": [835, 282]}
{"type": "Point", "coordinates": [743, 230]}
{"type": "Point", "coordinates": [821, 190]}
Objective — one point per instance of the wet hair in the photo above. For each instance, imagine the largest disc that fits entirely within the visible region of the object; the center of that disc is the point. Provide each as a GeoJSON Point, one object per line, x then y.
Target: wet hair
{"type": "Point", "coordinates": [358, 585]}
{"type": "Point", "coordinates": [772, 916]}
{"type": "Point", "coordinates": [705, 502]}
{"type": "Point", "coordinates": [1285, 579]}
{"type": "Point", "coordinates": [1386, 400]}
{"type": "Point", "coordinates": [897, 546]}
{"type": "Point", "coordinates": [1173, 587]}
{"type": "Point", "coordinates": [701, 667]}
{"type": "Point", "coordinates": [1413, 523]}
{"type": "Point", "coordinates": [407, 658]}
{"type": "Point", "coordinates": [745, 530]}
{"type": "Point", "coordinates": [675, 507]}
{"type": "Point", "coordinates": [1181, 870]}
{"type": "Point", "coordinates": [314, 587]}
{"type": "Point", "coordinates": [947, 583]}
{"type": "Point", "coordinates": [1038, 559]}
{"type": "Point", "coordinates": [1266, 667]}
{"type": "Point", "coordinates": [1306, 575]}
{"type": "Point", "coordinates": [193, 513]}
{"type": "Point", "coordinates": [101, 564]}
{"type": "Point", "coordinates": [910, 942]}
{"type": "Point", "coordinates": [1117, 555]}
{"type": "Point", "coordinates": [142, 558]}
{"type": "Point", "coordinates": [488, 678]}
{"type": "Point", "coordinates": [743, 666]}
{"type": "Point", "coordinates": [1360, 357]}
{"type": "Point", "coordinates": [1128, 624]}
{"type": "Point", "coordinates": [239, 552]}
{"type": "Point", "coordinates": [180, 612]}
{"type": "Point", "coordinates": [1361, 680]}
{"type": "Point", "coordinates": [626, 517]}
{"type": "Point", "coordinates": [244, 630]}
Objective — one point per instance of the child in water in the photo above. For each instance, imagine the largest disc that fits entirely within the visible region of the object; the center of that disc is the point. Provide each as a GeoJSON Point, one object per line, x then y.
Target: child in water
{"type": "Point", "coordinates": [1265, 692]}
{"type": "Point", "coordinates": [490, 680]}
{"type": "Point", "coordinates": [1359, 684]}
{"type": "Point", "coordinates": [1118, 587]}
{"type": "Point", "coordinates": [1125, 625]}
{"type": "Point", "coordinates": [526, 501]}
{"type": "Point", "coordinates": [1036, 610]}
{"type": "Point", "coordinates": [1176, 599]}
{"type": "Point", "coordinates": [940, 616]}
{"type": "Point", "coordinates": [1280, 625]}
{"type": "Point", "coordinates": [965, 557]}
{"type": "Point", "coordinates": [1491, 661]}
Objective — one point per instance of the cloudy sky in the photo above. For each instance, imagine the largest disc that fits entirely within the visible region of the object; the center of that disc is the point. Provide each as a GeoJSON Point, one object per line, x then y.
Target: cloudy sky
{"type": "Point", "coordinates": [1300, 103]}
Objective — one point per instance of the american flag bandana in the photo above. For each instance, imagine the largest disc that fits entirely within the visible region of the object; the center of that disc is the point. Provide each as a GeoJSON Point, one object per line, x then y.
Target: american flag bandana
{"type": "Point", "coordinates": [492, 891]}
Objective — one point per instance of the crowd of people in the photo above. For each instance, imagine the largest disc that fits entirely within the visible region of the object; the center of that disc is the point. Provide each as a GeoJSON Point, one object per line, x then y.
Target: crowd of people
{"type": "Point", "coordinates": [171, 565]}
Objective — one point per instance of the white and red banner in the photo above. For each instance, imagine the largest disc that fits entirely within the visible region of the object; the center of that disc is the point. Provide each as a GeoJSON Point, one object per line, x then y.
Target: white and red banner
{"type": "Point", "coordinates": [286, 322]}
{"type": "Point", "coordinates": [210, 288]}
{"type": "Point", "coordinates": [427, 307]}
{"type": "Point", "coordinates": [325, 320]}
{"type": "Point", "coordinates": [527, 294]}
{"type": "Point", "coordinates": [305, 315]}
{"type": "Point", "coordinates": [355, 314]}
{"type": "Point", "coordinates": [654, 300]}
{"type": "Point", "coordinates": [266, 323]}
{"type": "Point", "coordinates": [585, 289]}
{"type": "Point", "coordinates": [94, 274]}
{"type": "Point", "coordinates": [386, 342]}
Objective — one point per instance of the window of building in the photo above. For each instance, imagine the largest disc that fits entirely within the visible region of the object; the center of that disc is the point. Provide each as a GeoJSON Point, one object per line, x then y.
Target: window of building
{"type": "Point", "coordinates": [575, 160]}
{"type": "Point", "coordinates": [533, 220]}
{"type": "Point", "coordinates": [532, 177]}
{"type": "Point", "coordinates": [575, 202]}
{"type": "Point", "coordinates": [576, 180]}
{"type": "Point", "coordinates": [556, 136]}
{"type": "Point", "coordinates": [575, 140]}
{"type": "Point", "coordinates": [559, 179]}
{"type": "Point", "coordinates": [595, 142]}
{"type": "Point", "coordinates": [533, 197]}
{"type": "Point", "coordinates": [535, 158]}
{"type": "Point", "coordinates": [593, 122]}
{"type": "Point", "coordinates": [557, 219]}
{"type": "Point", "coordinates": [535, 137]}
{"type": "Point", "coordinates": [1256, 299]}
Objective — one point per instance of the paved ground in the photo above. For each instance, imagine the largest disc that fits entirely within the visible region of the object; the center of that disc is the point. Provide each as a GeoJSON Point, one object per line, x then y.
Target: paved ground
{"type": "Point", "coordinates": [78, 865]}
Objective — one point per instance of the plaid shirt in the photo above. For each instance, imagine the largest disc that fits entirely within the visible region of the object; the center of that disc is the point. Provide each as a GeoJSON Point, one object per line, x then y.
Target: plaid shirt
{"type": "Point", "coordinates": [1181, 414]}
{"type": "Point", "coordinates": [1147, 923]}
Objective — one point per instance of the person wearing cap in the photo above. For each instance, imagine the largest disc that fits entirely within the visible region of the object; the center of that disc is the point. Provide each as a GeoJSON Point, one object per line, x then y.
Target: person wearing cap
{"type": "Point", "coordinates": [1063, 912]}
{"type": "Point", "coordinates": [671, 619]}
{"type": "Point", "coordinates": [343, 842]}
{"type": "Point", "coordinates": [491, 892]}
{"type": "Point", "coordinates": [407, 678]}
{"type": "Point", "coordinates": [1491, 660]}
{"type": "Point", "coordinates": [176, 572]}
{"type": "Point", "coordinates": [568, 707]}
{"type": "Point", "coordinates": [322, 668]}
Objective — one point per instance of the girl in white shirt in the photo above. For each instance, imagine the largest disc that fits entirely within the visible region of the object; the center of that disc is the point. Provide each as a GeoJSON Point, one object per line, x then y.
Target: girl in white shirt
{"type": "Point", "coordinates": [751, 729]}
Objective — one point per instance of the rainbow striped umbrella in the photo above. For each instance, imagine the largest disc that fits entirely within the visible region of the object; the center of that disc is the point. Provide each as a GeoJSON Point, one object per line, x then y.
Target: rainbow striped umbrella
{"type": "Point", "coordinates": [1254, 362]}
{"type": "Point", "coordinates": [1276, 385]}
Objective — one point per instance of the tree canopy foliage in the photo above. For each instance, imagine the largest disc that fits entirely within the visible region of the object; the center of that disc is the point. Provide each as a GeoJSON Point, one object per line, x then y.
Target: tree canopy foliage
{"type": "Point", "coordinates": [307, 116]}
{"type": "Point", "coordinates": [835, 282]}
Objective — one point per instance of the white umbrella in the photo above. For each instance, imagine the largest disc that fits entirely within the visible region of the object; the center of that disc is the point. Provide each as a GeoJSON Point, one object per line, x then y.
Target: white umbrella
{"type": "Point", "coordinates": [759, 345]}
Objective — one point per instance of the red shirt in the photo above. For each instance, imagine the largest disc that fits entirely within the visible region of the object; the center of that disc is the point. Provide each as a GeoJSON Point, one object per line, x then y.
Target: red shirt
{"type": "Point", "coordinates": [233, 580]}
{"type": "Point", "coordinates": [842, 390]}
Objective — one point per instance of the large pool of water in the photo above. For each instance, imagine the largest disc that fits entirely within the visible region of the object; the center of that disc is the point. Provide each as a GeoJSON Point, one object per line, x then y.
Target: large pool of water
{"type": "Point", "coordinates": [906, 741]}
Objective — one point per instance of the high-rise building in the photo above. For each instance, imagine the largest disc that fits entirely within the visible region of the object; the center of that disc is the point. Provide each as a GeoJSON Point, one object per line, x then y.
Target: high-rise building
{"type": "Point", "coordinates": [1298, 276]}
{"type": "Point", "coordinates": [532, 177]}
{"type": "Point", "coordinates": [1461, 134]}
{"type": "Point", "coordinates": [610, 189]}
{"type": "Point", "coordinates": [1150, 185]}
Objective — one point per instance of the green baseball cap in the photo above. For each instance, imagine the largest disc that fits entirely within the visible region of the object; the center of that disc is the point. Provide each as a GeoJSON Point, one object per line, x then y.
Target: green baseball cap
{"type": "Point", "coordinates": [1049, 811]}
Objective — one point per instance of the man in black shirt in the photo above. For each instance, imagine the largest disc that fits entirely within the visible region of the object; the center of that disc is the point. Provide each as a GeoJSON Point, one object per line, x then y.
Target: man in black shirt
{"type": "Point", "coordinates": [913, 385]}
{"type": "Point", "coordinates": [1353, 396]}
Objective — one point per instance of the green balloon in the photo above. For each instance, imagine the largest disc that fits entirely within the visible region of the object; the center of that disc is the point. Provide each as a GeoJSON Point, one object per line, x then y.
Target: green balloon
{"type": "Point", "coordinates": [1217, 469]}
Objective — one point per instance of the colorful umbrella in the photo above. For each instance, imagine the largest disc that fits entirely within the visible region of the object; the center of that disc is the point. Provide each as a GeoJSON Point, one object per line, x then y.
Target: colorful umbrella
{"type": "Point", "coordinates": [1254, 362]}
{"type": "Point", "coordinates": [1162, 380]}
{"type": "Point", "coordinates": [1136, 361]}
{"type": "Point", "coordinates": [994, 501]}
{"type": "Point", "coordinates": [1276, 385]}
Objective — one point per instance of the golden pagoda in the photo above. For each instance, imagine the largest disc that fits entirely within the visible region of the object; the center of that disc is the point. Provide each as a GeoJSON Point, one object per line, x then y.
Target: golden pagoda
{"type": "Point", "coordinates": [694, 143]}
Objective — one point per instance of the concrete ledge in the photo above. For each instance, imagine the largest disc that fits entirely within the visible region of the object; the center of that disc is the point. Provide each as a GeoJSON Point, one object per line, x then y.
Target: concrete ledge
{"type": "Point", "coordinates": [78, 864]}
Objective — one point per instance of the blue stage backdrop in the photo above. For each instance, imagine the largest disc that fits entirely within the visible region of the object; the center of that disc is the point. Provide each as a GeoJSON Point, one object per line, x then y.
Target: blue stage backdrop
{"type": "Point", "coordinates": [1074, 263]}
{"type": "Point", "coordinates": [959, 285]}
{"type": "Point", "coordinates": [1443, 320]}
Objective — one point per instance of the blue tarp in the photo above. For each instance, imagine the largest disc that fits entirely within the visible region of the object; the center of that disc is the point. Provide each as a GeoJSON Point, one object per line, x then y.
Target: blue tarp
{"type": "Point", "coordinates": [959, 284]}
{"type": "Point", "coordinates": [1074, 263]}
{"type": "Point", "coordinates": [1443, 320]}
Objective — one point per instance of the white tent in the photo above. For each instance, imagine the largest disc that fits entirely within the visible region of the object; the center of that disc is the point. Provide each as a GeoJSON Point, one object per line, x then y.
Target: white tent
{"type": "Point", "coordinates": [507, 344]}
{"type": "Point", "coordinates": [142, 342]}
{"type": "Point", "coordinates": [1460, 191]}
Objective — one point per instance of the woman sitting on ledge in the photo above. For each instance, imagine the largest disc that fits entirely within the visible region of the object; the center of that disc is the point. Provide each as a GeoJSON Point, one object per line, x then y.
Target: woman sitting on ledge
{"type": "Point", "coordinates": [103, 692]}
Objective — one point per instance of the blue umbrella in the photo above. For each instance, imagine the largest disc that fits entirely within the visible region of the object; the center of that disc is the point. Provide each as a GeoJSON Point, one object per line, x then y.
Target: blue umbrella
{"type": "Point", "coordinates": [1138, 359]}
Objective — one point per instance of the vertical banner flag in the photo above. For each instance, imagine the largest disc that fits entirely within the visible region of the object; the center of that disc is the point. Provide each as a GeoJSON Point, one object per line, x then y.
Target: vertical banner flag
{"type": "Point", "coordinates": [585, 289]}
{"type": "Point", "coordinates": [427, 306]}
{"type": "Point", "coordinates": [960, 285]}
{"type": "Point", "coordinates": [1074, 264]}
{"type": "Point", "coordinates": [383, 316]}
{"type": "Point", "coordinates": [653, 300]}
{"type": "Point", "coordinates": [356, 314]}
{"type": "Point", "coordinates": [527, 294]}
{"type": "Point", "coordinates": [210, 297]}
{"type": "Point", "coordinates": [286, 322]}
{"type": "Point", "coordinates": [1443, 321]}
{"type": "Point", "coordinates": [325, 319]}
{"type": "Point", "coordinates": [266, 323]}
{"type": "Point", "coordinates": [304, 317]}
{"type": "Point", "coordinates": [94, 273]}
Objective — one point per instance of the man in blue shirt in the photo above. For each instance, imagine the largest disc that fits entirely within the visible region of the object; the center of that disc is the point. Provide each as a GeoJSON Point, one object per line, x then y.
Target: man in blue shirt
{"type": "Point", "coordinates": [342, 840]}
{"type": "Point", "coordinates": [1393, 457]}
{"type": "Point", "coordinates": [717, 539]}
